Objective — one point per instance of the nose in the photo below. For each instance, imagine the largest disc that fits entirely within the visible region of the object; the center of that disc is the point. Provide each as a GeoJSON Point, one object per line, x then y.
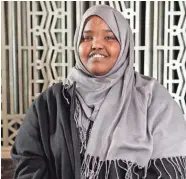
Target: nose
{"type": "Point", "coordinates": [97, 44]}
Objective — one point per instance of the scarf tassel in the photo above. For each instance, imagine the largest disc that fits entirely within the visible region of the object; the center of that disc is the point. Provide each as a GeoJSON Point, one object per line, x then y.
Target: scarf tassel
{"type": "Point", "coordinates": [91, 168]}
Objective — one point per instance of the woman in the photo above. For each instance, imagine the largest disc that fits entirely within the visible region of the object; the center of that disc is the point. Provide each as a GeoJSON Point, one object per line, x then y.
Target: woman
{"type": "Point", "coordinates": [107, 121]}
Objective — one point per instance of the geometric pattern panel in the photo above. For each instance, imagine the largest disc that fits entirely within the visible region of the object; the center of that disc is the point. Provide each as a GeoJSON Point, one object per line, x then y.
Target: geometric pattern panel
{"type": "Point", "coordinates": [13, 126]}
{"type": "Point", "coordinates": [37, 49]}
{"type": "Point", "coordinates": [174, 51]}
{"type": "Point", "coordinates": [53, 43]}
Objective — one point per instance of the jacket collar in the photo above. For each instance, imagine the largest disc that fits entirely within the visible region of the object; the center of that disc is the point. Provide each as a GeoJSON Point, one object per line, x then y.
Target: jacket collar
{"type": "Point", "coordinates": [71, 89]}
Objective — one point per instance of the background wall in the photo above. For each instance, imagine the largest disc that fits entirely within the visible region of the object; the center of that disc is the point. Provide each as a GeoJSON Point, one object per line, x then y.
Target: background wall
{"type": "Point", "coordinates": [37, 49]}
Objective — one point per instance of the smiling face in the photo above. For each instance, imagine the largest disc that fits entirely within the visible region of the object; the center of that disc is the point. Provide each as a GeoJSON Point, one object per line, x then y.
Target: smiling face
{"type": "Point", "coordinates": [99, 48]}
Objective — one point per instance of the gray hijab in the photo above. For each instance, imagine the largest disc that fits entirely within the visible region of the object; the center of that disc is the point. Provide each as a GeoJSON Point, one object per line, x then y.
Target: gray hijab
{"type": "Point", "coordinates": [133, 115]}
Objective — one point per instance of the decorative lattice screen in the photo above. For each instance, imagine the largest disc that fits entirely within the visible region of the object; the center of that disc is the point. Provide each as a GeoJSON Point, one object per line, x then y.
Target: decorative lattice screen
{"type": "Point", "coordinates": [37, 49]}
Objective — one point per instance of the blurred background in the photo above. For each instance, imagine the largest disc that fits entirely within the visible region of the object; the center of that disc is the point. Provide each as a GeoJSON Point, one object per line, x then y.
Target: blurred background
{"type": "Point", "coordinates": [37, 51]}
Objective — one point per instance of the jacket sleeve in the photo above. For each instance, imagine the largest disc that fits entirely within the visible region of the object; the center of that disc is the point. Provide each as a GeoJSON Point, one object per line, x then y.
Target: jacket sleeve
{"type": "Point", "coordinates": [27, 153]}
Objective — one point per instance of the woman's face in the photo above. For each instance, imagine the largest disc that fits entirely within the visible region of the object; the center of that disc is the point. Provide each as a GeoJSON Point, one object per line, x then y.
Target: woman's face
{"type": "Point", "coordinates": [99, 48]}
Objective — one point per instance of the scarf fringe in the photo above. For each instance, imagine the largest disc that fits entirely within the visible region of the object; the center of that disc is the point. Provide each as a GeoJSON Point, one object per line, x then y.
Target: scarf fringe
{"type": "Point", "coordinates": [82, 131]}
{"type": "Point", "coordinates": [92, 166]}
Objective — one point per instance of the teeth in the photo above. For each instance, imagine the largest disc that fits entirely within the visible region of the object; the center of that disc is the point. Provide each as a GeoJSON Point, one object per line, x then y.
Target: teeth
{"type": "Point", "coordinates": [97, 56]}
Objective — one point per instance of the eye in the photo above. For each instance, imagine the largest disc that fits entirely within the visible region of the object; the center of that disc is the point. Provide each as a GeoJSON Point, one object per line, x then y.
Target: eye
{"type": "Point", "coordinates": [109, 38]}
{"type": "Point", "coordinates": [86, 38]}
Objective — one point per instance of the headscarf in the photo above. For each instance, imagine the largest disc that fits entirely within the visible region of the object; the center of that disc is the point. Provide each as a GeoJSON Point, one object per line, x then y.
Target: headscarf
{"type": "Point", "coordinates": [133, 115]}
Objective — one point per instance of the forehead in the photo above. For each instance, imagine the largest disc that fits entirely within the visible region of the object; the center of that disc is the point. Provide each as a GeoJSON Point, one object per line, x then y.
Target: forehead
{"type": "Point", "coordinates": [95, 22]}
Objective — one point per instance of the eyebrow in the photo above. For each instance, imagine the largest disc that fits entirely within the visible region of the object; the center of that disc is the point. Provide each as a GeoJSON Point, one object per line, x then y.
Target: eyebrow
{"type": "Point", "coordinates": [89, 31]}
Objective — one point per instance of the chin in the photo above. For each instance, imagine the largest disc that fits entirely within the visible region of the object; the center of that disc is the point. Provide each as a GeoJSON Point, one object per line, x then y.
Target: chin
{"type": "Point", "coordinates": [98, 71]}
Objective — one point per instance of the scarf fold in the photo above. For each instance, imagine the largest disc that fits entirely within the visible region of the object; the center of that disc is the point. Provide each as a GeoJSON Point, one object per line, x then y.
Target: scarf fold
{"type": "Point", "coordinates": [134, 116]}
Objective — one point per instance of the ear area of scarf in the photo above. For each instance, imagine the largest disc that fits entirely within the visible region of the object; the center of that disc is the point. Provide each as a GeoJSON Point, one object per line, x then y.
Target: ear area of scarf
{"type": "Point", "coordinates": [171, 167]}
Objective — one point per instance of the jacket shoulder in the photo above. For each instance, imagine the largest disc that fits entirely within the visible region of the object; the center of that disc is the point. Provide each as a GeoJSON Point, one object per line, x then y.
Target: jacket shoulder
{"type": "Point", "coordinates": [51, 103]}
{"type": "Point", "coordinates": [55, 93]}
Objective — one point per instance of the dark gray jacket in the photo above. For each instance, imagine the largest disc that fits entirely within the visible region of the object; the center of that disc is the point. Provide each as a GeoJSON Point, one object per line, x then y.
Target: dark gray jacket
{"type": "Point", "coordinates": [47, 144]}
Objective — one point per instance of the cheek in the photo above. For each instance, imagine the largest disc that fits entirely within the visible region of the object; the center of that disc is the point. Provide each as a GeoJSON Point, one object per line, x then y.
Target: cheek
{"type": "Point", "coordinates": [84, 51]}
{"type": "Point", "coordinates": [115, 49]}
